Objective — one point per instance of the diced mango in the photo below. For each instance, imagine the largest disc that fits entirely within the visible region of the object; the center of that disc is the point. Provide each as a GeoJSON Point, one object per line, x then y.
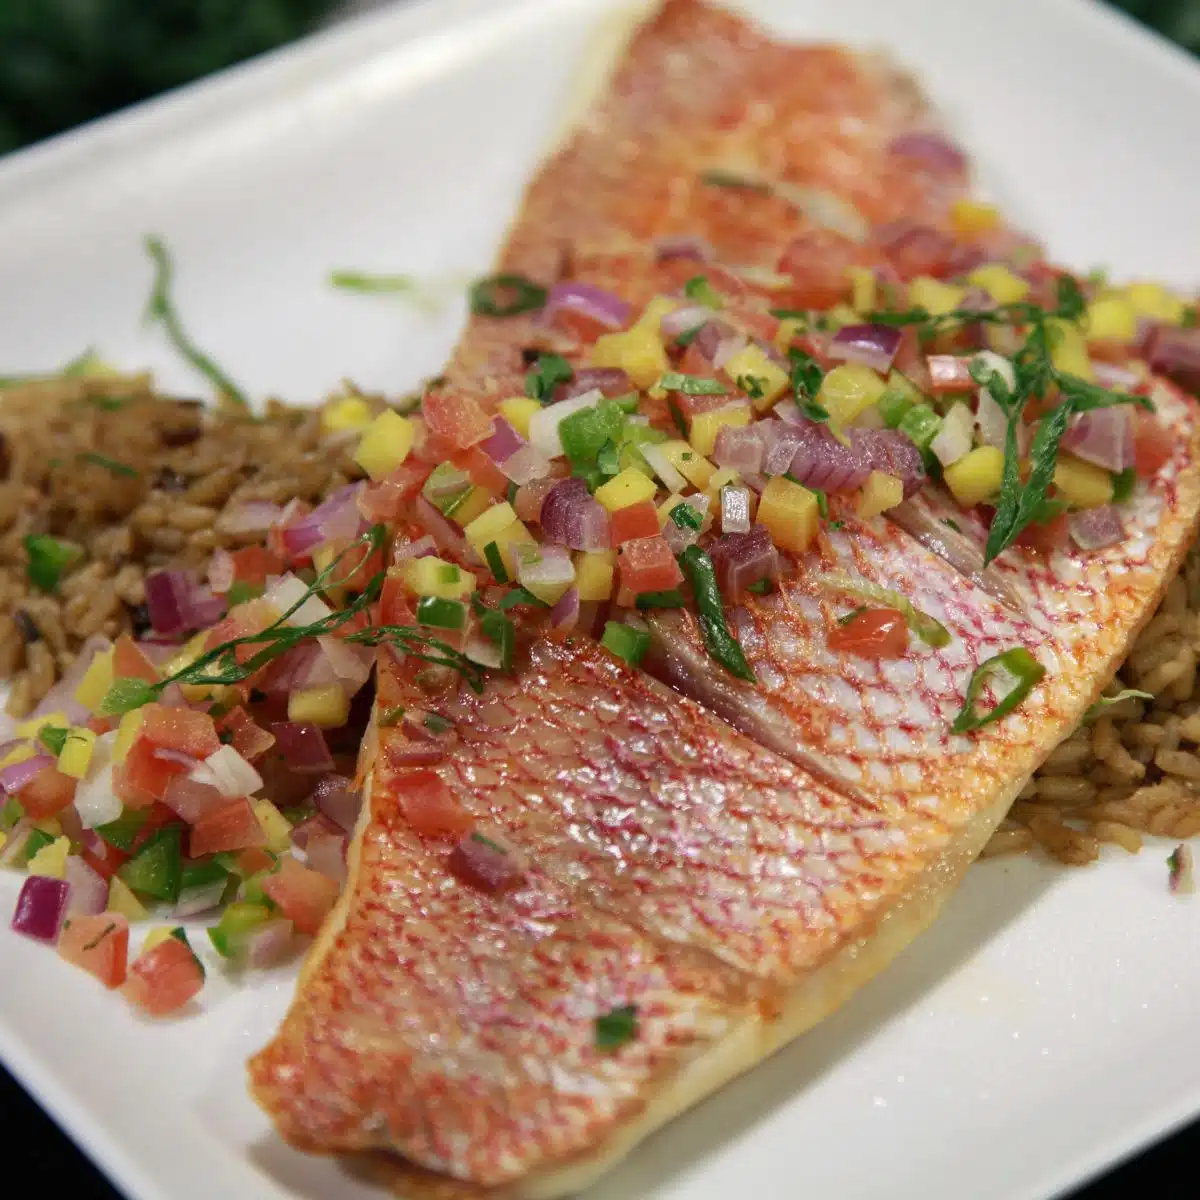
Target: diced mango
{"type": "Point", "coordinates": [486, 527]}
{"type": "Point", "coordinates": [1068, 349]}
{"type": "Point", "coordinates": [594, 570]}
{"type": "Point", "coordinates": [122, 900]}
{"type": "Point", "coordinates": [654, 312]}
{"type": "Point", "coordinates": [790, 513]}
{"type": "Point", "coordinates": [517, 411]}
{"type": "Point", "coordinates": [752, 363]}
{"type": "Point", "coordinates": [98, 678]}
{"type": "Point", "coordinates": [1154, 301]}
{"type": "Point", "coordinates": [350, 412]}
{"type": "Point", "coordinates": [901, 383]}
{"type": "Point", "coordinates": [3, 839]}
{"type": "Point", "coordinates": [1000, 283]}
{"type": "Point", "coordinates": [848, 390]}
{"type": "Point", "coordinates": [131, 722]}
{"type": "Point", "coordinates": [695, 468]}
{"type": "Point", "coordinates": [328, 706]}
{"type": "Point", "coordinates": [274, 823]}
{"type": "Point", "coordinates": [31, 727]}
{"type": "Point", "coordinates": [1081, 483]}
{"type": "Point", "coordinates": [1111, 318]}
{"type": "Point", "coordinates": [51, 860]}
{"type": "Point", "coordinates": [195, 693]}
{"type": "Point", "coordinates": [840, 315]}
{"type": "Point", "coordinates": [879, 493]}
{"type": "Point", "coordinates": [629, 487]}
{"type": "Point", "coordinates": [385, 444]}
{"type": "Point", "coordinates": [789, 327]}
{"type": "Point", "coordinates": [976, 476]}
{"type": "Point", "coordinates": [638, 352]}
{"type": "Point", "coordinates": [935, 296]}
{"type": "Point", "coordinates": [156, 937]}
{"type": "Point", "coordinates": [18, 754]}
{"type": "Point", "coordinates": [864, 288]}
{"type": "Point", "coordinates": [968, 217]}
{"type": "Point", "coordinates": [432, 576]}
{"type": "Point", "coordinates": [51, 826]}
{"type": "Point", "coordinates": [476, 501]}
{"type": "Point", "coordinates": [77, 752]}
{"type": "Point", "coordinates": [706, 425]}
{"type": "Point", "coordinates": [507, 541]}
{"type": "Point", "coordinates": [721, 477]}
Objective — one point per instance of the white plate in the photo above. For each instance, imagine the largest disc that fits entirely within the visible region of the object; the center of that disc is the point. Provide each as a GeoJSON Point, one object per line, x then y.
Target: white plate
{"type": "Point", "coordinates": [1035, 1034]}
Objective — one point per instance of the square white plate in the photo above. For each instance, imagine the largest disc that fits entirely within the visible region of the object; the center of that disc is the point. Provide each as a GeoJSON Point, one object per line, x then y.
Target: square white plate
{"type": "Point", "coordinates": [1031, 1037]}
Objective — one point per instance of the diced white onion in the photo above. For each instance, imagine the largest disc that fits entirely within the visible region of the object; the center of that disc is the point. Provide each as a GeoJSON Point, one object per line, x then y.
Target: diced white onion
{"type": "Point", "coordinates": [543, 425]}
{"type": "Point", "coordinates": [230, 773]}
{"type": "Point", "coordinates": [662, 466]}
{"type": "Point", "coordinates": [95, 800]}
{"type": "Point", "coordinates": [953, 440]}
{"type": "Point", "coordinates": [288, 590]}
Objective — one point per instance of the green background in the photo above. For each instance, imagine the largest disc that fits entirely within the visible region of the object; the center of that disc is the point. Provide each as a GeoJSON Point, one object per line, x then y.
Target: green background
{"type": "Point", "coordinates": [65, 61]}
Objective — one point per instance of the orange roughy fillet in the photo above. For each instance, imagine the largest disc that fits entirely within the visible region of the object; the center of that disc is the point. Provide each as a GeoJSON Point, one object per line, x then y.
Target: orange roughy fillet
{"type": "Point", "coordinates": [733, 861]}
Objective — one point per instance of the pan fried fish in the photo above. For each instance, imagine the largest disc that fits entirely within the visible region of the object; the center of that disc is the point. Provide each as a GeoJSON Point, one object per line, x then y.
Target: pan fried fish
{"type": "Point", "coordinates": [790, 637]}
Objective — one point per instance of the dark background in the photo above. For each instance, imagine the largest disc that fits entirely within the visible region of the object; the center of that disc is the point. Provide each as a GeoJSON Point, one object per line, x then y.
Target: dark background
{"type": "Point", "coordinates": [63, 62]}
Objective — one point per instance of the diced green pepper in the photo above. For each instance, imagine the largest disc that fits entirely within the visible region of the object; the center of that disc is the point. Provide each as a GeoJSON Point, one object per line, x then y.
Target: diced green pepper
{"type": "Point", "coordinates": [36, 841]}
{"type": "Point", "coordinates": [626, 642]}
{"type": "Point", "coordinates": [441, 613]}
{"type": "Point", "coordinates": [920, 424]}
{"type": "Point", "coordinates": [584, 433]}
{"type": "Point", "coordinates": [157, 868]}
{"type": "Point", "coordinates": [710, 611]}
{"type": "Point", "coordinates": [121, 832]}
{"type": "Point", "coordinates": [202, 872]}
{"type": "Point", "coordinates": [237, 922]}
{"type": "Point", "coordinates": [892, 406]}
{"type": "Point", "coordinates": [499, 630]}
{"type": "Point", "coordinates": [1123, 484]}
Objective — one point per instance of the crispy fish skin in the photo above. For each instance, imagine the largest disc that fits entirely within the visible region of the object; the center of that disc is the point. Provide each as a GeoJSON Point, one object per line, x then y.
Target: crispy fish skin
{"type": "Point", "coordinates": [737, 866]}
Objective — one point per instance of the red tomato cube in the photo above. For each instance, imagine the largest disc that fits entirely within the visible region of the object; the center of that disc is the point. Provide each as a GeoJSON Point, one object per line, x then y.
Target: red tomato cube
{"type": "Point", "coordinates": [252, 565]}
{"type": "Point", "coordinates": [634, 521]}
{"type": "Point", "coordinates": [143, 777]}
{"type": "Point", "coordinates": [647, 565]}
{"type": "Point", "coordinates": [99, 944]}
{"type": "Point", "coordinates": [47, 794]}
{"type": "Point", "coordinates": [456, 418]}
{"type": "Point", "coordinates": [301, 894]}
{"type": "Point", "coordinates": [233, 826]}
{"type": "Point", "coordinates": [164, 979]}
{"type": "Point", "coordinates": [129, 662]}
{"type": "Point", "coordinates": [181, 729]}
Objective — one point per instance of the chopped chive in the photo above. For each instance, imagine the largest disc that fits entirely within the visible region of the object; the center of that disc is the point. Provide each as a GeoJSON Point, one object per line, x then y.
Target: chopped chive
{"type": "Point", "coordinates": [441, 613]}
{"type": "Point", "coordinates": [495, 562]}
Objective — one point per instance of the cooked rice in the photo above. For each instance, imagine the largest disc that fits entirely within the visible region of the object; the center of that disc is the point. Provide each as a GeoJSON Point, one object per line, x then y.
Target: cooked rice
{"type": "Point", "coordinates": [194, 464]}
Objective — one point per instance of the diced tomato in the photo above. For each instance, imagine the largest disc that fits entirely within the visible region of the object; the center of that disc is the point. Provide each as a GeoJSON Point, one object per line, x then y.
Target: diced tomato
{"type": "Point", "coordinates": [356, 568]}
{"type": "Point", "coordinates": [99, 725]}
{"type": "Point", "coordinates": [143, 777]}
{"type": "Point", "coordinates": [457, 418]}
{"type": "Point", "coordinates": [580, 325]}
{"type": "Point", "coordinates": [527, 503]}
{"type": "Point", "coordinates": [301, 894]}
{"type": "Point", "coordinates": [252, 617]}
{"type": "Point", "coordinates": [385, 502]}
{"type": "Point", "coordinates": [99, 944]}
{"type": "Point", "coordinates": [393, 602]}
{"type": "Point", "coordinates": [913, 249]}
{"type": "Point", "coordinates": [482, 471]}
{"type": "Point", "coordinates": [295, 511]}
{"type": "Point", "coordinates": [250, 862]}
{"type": "Point", "coordinates": [102, 858]}
{"type": "Point", "coordinates": [1044, 537]}
{"type": "Point", "coordinates": [634, 521]}
{"type": "Point", "coordinates": [233, 826]}
{"type": "Point", "coordinates": [252, 565]}
{"type": "Point", "coordinates": [1153, 445]}
{"type": "Point", "coordinates": [159, 817]}
{"type": "Point", "coordinates": [46, 794]}
{"type": "Point", "coordinates": [817, 262]}
{"type": "Point", "coordinates": [163, 979]}
{"type": "Point", "coordinates": [181, 729]}
{"type": "Point", "coordinates": [756, 323]}
{"type": "Point", "coordinates": [874, 633]}
{"type": "Point", "coordinates": [356, 624]}
{"type": "Point", "coordinates": [129, 662]}
{"type": "Point", "coordinates": [247, 736]}
{"type": "Point", "coordinates": [430, 806]}
{"type": "Point", "coordinates": [647, 565]}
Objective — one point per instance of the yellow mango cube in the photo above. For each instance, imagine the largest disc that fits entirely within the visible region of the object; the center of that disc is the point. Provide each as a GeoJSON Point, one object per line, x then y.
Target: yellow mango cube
{"type": "Point", "coordinates": [790, 513]}
{"type": "Point", "coordinates": [752, 364]}
{"type": "Point", "coordinates": [706, 425]}
{"type": "Point", "coordinates": [1068, 349]}
{"type": "Point", "coordinates": [1154, 301]}
{"type": "Point", "coordinates": [976, 476]}
{"type": "Point", "coordinates": [638, 352]}
{"type": "Point", "coordinates": [722, 477]}
{"type": "Point", "coordinates": [274, 824]}
{"type": "Point", "coordinates": [594, 570]}
{"type": "Point", "coordinates": [654, 312]}
{"type": "Point", "coordinates": [34, 725]}
{"type": "Point", "coordinates": [970, 216]}
{"type": "Point", "coordinates": [77, 752]}
{"type": "Point", "coordinates": [476, 501]}
{"type": "Point", "coordinates": [486, 527]}
{"type": "Point", "coordinates": [849, 390]}
{"type": "Point", "coordinates": [131, 722]}
{"type": "Point", "coordinates": [1000, 283]}
{"type": "Point", "coordinates": [433, 576]}
{"type": "Point", "coordinates": [879, 493]}
{"type": "Point", "coordinates": [18, 754]}
{"type": "Point", "coordinates": [629, 487]}
{"type": "Point", "coordinates": [864, 288]}
{"type": "Point", "coordinates": [98, 678]}
{"type": "Point", "coordinates": [1081, 483]}
{"type": "Point", "coordinates": [350, 412]}
{"type": "Point", "coordinates": [694, 467]}
{"type": "Point", "coordinates": [156, 937]}
{"type": "Point", "coordinates": [935, 296]}
{"type": "Point", "coordinates": [507, 542]}
{"type": "Point", "coordinates": [840, 315]}
{"type": "Point", "coordinates": [328, 706]}
{"type": "Point", "coordinates": [789, 327]}
{"type": "Point", "coordinates": [1111, 319]}
{"type": "Point", "coordinates": [385, 444]}
{"type": "Point", "coordinates": [122, 900]}
{"type": "Point", "coordinates": [517, 411]}
{"type": "Point", "coordinates": [51, 860]}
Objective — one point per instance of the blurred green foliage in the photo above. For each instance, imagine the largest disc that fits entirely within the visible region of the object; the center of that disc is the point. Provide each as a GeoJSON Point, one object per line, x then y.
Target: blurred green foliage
{"type": "Point", "coordinates": [65, 61]}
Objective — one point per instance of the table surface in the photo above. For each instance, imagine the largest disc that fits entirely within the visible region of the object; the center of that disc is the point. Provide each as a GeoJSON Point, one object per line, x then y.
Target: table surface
{"type": "Point", "coordinates": [1167, 1171]}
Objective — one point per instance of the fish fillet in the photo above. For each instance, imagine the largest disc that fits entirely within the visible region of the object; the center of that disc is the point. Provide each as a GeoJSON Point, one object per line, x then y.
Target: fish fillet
{"type": "Point", "coordinates": [734, 860]}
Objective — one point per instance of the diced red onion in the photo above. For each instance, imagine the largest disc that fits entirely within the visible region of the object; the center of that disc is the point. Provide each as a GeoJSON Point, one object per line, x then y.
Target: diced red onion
{"type": "Point", "coordinates": [781, 442]}
{"type": "Point", "coordinates": [1175, 353]}
{"type": "Point", "coordinates": [1095, 528]}
{"type": "Point", "coordinates": [88, 894]}
{"type": "Point", "coordinates": [949, 373]}
{"type": "Point", "coordinates": [682, 246]}
{"type": "Point", "coordinates": [478, 862]}
{"type": "Point", "coordinates": [954, 439]}
{"type": "Point", "coordinates": [334, 519]}
{"type": "Point", "coordinates": [735, 509]}
{"type": "Point", "coordinates": [447, 537]}
{"type": "Point", "coordinates": [220, 571]}
{"type": "Point", "coordinates": [744, 559]}
{"type": "Point", "coordinates": [890, 451]}
{"type": "Point", "coordinates": [503, 443]}
{"type": "Point", "coordinates": [710, 337]}
{"type": "Point", "coordinates": [233, 774]}
{"type": "Point", "coordinates": [571, 515]}
{"type": "Point", "coordinates": [178, 757]}
{"type": "Point", "coordinates": [931, 150]}
{"type": "Point", "coordinates": [874, 346]}
{"type": "Point", "coordinates": [41, 906]}
{"type": "Point", "coordinates": [303, 666]}
{"type": "Point", "coordinates": [420, 547]}
{"type": "Point", "coordinates": [689, 316]}
{"type": "Point", "coordinates": [310, 825]}
{"type": "Point", "coordinates": [754, 481]}
{"type": "Point", "coordinates": [740, 448]}
{"type": "Point", "coordinates": [565, 613]}
{"type": "Point", "coordinates": [16, 775]}
{"type": "Point", "coordinates": [446, 483]}
{"type": "Point", "coordinates": [595, 303]}
{"type": "Point", "coordinates": [529, 499]}
{"type": "Point", "coordinates": [268, 944]}
{"type": "Point", "coordinates": [325, 850]}
{"type": "Point", "coordinates": [336, 797]}
{"type": "Point", "coordinates": [610, 381]}
{"type": "Point", "coordinates": [6, 748]}
{"type": "Point", "coordinates": [251, 516]}
{"type": "Point", "coordinates": [1115, 377]}
{"type": "Point", "coordinates": [178, 604]}
{"type": "Point", "coordinates": [909, 242]}
{"type": "Point", "coordinates": [818, 459]}
{"type": "Point", "coordinates": [990, 420]}
{"type": "Point", "coordinates": [680, 537]}
{"type": "Point", "coordinates": [194, 795]}
{"type": "Point", "coordinates": [548, 565]}
{"type": "Point", "coordinates": [302, 746]}
{"type": "Point", "coordinates": [728, 347]}
{"type": "Point", "coordinates": [200, 899]}
{"type": "Point", "coordinates": [351, 664]}
{"type": "Point", "coordinates": [1103, 436]}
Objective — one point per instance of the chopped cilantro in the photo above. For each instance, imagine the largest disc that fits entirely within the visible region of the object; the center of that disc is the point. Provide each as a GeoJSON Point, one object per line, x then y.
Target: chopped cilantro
{"type": "Point", "coordinates": [505, 295]}
{"type": "Point", "coordinates": [616, 1027]}
{"type": "Point", "coordinates": [48, 559]}
{"type": "Point", "coordinates": [550, 371]}
{"type": "Point", "coordinates": [698, 288]}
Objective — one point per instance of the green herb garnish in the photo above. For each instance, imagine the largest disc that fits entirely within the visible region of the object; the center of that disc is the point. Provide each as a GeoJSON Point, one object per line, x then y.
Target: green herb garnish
{"type": "Point", "coordinates": [110, 464]}
{"type": "Point", "coordinates": [361, 281]}
{"type": "Point", "coordinates": [1022, 668]}
{"type": "Point", "coordinates": [688, 336]}
{"type": "Point", "coordinates": [1123, 484]}
{"type": "Point", "coordinates": [699, 289]}
{"type": "Point", "coordinates": [616, 1027]}
{"type": "Point", "coordinates": [677, 416]}
{"type": "Point", "coordinates": [551, 370]}
{"type": "Point", "coordinates": [710, 612]}
{"type": "Point", "coordinates": [521, 595]}
{"type": "Point", "coordinates": [690, 385]}
{"type": "Point", "coordinates": [391, 716]}
{"type": "Point", "coordinates": [806, 380]}
{"type": "Point", "coordinates": [754, 386]}
{"type": "Point", "coordinates": [505, 295]}
{"type": "Point", "coordinates": [1108, 701]}
{"type": "Point", "coordinates": [495, 562]}
{"type": "Point", "coordinates": [686, 517]}
{"type": "Point", "coordinates": [54, 738]}
{"type": "Point", "coordinates": [48, 560]}
{"type": "Point", "coordinates": [719, 177]}
{"type": "Point", "coordinates": [760, 587]}
{"type": "Point", "coordinates": [846, 618]}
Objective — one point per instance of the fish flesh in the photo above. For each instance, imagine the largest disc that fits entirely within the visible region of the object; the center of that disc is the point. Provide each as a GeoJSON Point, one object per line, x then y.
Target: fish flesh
{"type": "Point", "coordinates": [710, 864]}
